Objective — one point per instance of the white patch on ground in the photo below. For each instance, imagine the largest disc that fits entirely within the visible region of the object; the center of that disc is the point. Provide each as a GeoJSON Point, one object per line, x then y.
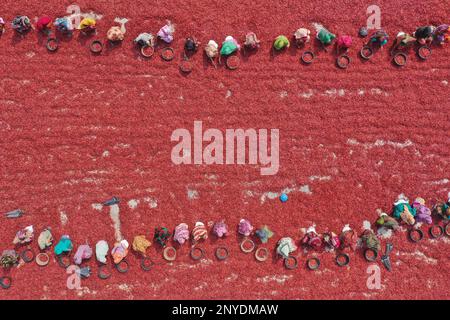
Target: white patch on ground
{"type": "Point", "coordinates": [152, 202]}
{"type": "Point", "coordinates": [203, 264]}
{"type": "Point", "coordinates": [122, 146]}
{"type": "Point", "coordinates": [330, 92]}
{"type": "Point", "coordinates": [444, 82]}
{"type": "Point", "coordinates": [232, 277]}
{"type": "Point", "coordinates": [305, 189]}
{"type": "Point", "coordinates": [249, 193]}
{"type": "Point", "coordinates": [30, 54]}
{"type": "Point", "coordinates": [105, 154]}
{"type": "Point", "coordinates": [419, 256]}
{"type": "Point", "coordinates": [281, 279]}
{"type": "Point", "coordinates": [376, 91]}
{"type": "Point", "coordinates": [114, 213]}
{"type": "Point", "coordinates": [283, 94]}
{"type": "Point", "coordinates": [308, 94]}
{"type": "Point", "coordinates": [380, 143]}
{"type": "Point", "coordinates": [202, 286]}
{"type": "Point", "coordinates": [97, 206]}
{"type": "Point", "coordinates": [192, 194]}
{"type": "Point", "coordinates": [85, 290]}
{"type": "Point", "coordinates": [273, 195]}
{"type": "Point", "coordinates": [320, 178]}
{"type": "Point", "coordinates": [228, 94]}
{"type": "Point", "coordinates": [133, 203]}
{"type": "Point", "coordinates": [333, 92]}
{"type": "Point", "coordinates": [63, 218]}
{"type": "Point", "coordinates": [438, 182]}
{"type": "Point", "coordinates": [125, 287]}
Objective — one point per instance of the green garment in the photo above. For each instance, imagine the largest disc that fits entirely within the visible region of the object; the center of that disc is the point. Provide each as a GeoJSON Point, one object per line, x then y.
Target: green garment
{"type": "Point", "coordinates": [281, 42]}
{"type": "Point", "coordinates": [64, 245]}
{"type": "Point", "coordinates": [398, 209]}
{"type": "Point", "coordinates": [228, 47]}
{"type": "Point", "coordinates": [325, 36]}
{"type": "Point", "coordinates": [371, 240]}
{"type": "Point", "coordinates": [445, 208]}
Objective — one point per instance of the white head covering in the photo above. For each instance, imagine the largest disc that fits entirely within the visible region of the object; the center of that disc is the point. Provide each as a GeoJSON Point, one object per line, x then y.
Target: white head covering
{"type": "Point", "coordinates": [213, 44]}
{"type": "Point", "coordinates": [311, 229]}
{"type": "Point", "coordinates": [346, 228]}
{"type": "Point", "coordinates": [125, 244]}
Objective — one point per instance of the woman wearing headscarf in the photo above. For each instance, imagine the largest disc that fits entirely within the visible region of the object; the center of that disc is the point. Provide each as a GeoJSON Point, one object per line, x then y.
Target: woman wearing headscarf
{"type": "Point", "coordinates": [302, 36]}
{"type": "Point", "coordinates": [403, 40]}
{"type": "Point", "coordinates": [44, 24]}
{"type": "Point", "coordinates": [63, 25]}
{"type": "Point", "coordinates": [212, 51]}
{"type": "Point", "coordinates": [379, 38]}
{"type": "Point", "coordinates": [145, 40]}
{"type": "Point", "coordinates": [281, 42]}
{"type": "Point", "coordinates": [21, 24]}
{"type": "Point", "coordinates": [442, 34]}
{"type": "Point", "coordinates": [88, 25]}
{"type": "Point", "coordinates": [343, 42]}
{"type": "Point", "coordinates": [324, 36]}
{"type": "Point", "coordinates": [115, 34]}
{"type": "Point", "coordinates": [191, 45]}
{"type": "Point", "coordinates": [229, 46]}
{"type": "Point", "coordinates": [251, 41]}
{"type": "Point", "coordinates": [166, 32]}
{"type": "Point", "coordinates": [2, 26]}
{"type": "Point", "coordinates": [424, 35]}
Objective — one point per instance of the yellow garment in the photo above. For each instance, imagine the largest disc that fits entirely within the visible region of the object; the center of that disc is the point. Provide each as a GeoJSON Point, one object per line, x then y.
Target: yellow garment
{"type": "Point", "coordinates": [140, 244]}
{"type": "Point", "coordinates": [87, 22]}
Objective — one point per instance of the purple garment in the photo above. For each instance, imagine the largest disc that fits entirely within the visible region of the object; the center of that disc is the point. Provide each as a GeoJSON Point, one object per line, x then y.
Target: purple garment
{"type": "Point", "coordinates": [220, 229]}
{"type": "Point", "coordinates": [166, 33]}
{"type": "Point", "coordinates": [245, 227]}
{"type": "Point", "coordinates": [423, 214]}
{"type": "Point", "coordinates": [84, 252]}
{"type": "Point", "coordinates": [181, 234]}
{"type": "Point", "coordinates": [440, 32]}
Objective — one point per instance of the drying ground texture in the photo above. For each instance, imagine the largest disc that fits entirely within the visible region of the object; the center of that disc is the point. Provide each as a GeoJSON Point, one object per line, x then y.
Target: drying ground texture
{"type": "Point", "coordinates": [77, 129]}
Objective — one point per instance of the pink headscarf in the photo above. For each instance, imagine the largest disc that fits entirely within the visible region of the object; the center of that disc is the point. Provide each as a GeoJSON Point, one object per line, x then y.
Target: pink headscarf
{"type": "Point", "coordinates": [344, 41]}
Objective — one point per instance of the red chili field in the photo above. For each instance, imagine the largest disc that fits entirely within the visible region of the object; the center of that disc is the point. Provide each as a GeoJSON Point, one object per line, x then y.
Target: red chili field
{"type": "Point", "coordinates": [78, 128]}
